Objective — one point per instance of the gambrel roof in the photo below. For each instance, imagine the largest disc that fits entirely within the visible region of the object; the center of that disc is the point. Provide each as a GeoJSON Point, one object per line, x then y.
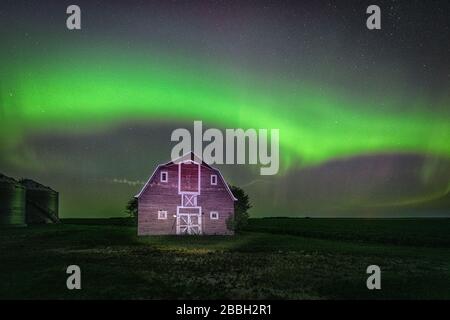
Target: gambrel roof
{"type": "Point", "coordinates": [191, 156]}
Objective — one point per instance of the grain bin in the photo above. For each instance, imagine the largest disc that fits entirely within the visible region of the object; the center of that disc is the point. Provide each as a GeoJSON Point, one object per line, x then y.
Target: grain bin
{"type": "Point", "coordinates": [12, 202]}
{"type": "Point", "coordinates": [41, 203]}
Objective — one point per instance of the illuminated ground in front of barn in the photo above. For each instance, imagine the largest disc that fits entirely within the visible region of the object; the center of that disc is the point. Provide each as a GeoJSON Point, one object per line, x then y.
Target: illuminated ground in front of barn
{"type": "Point", "coordinates": [273, 259]}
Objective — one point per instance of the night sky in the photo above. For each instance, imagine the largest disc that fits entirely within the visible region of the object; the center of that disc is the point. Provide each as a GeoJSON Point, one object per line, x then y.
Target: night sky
{"type": "Point", "coordinates": [364, 115]}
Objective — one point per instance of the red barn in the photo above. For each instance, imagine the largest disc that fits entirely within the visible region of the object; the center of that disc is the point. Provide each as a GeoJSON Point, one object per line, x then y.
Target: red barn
{"type": "Point", "coordinates": [186, 196]}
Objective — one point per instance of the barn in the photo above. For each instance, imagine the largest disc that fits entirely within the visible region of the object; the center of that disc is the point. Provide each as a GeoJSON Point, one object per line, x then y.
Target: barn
{"type": "Point", "coordinates": [185, 196]}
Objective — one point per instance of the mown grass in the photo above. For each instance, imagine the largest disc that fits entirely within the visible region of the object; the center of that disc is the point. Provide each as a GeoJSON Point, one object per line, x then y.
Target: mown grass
{"type": "Point", "coordinates": [116, 264]}
{"type": "Point", "coordinates": [415, 232]}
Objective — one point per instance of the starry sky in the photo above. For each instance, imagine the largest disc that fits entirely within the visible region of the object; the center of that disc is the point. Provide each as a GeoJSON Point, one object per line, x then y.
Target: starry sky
{"type": "Point", "coordinates": [364, 115]}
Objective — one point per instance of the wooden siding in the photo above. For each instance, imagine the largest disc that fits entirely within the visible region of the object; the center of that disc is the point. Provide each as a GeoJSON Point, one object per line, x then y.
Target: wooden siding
{"type": "Point", "coordinates": [164, 196]}
{"type": "Point", "coordinates": [214, 198]}
{"type": "Point", "coordinates": [159, 196]}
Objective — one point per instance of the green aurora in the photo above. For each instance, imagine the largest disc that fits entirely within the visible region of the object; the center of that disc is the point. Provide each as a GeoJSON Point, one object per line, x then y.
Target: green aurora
{"type": "Point", "coordinates": [86, 91]}
{"type": "Point", "coordinates": [364, 116]}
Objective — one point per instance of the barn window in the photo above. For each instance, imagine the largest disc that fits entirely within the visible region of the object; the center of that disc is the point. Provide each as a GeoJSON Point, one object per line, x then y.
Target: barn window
{"type": "Point", "coordinates": [162, 214]}
{"type": "Point", "coordinates": [214, 215]}
{"type": "Point", "coordinates": [164, 176]}
{"type": "Point", "coordinates": [213, 179]}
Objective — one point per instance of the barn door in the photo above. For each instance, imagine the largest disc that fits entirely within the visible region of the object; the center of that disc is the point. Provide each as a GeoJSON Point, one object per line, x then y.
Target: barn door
{"type": "Point", "coordinates": [189, 223]}
{"type": "Point", "coordinates": [189, 219]}
{"type": "Point", "coordinates": [189, 178]}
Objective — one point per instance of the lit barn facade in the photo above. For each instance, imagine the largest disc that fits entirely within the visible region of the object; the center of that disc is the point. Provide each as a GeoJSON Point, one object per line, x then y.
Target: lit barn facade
{"type": "Point", "coordinates": [186, 196]}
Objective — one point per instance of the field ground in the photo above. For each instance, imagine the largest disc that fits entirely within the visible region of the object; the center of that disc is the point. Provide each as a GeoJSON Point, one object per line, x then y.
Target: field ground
{"type": "Point", "coordinates": [273, 259]}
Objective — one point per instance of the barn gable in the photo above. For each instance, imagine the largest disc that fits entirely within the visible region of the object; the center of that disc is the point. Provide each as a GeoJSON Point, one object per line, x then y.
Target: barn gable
{"type": "Point", "coordinates": [189, 157]}
{"type": "Point", "coordinates": [185, 196]}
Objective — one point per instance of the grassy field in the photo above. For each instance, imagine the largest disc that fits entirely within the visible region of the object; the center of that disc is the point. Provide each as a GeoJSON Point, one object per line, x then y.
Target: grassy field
{"type": "Point", "coordinates": [274, 259]}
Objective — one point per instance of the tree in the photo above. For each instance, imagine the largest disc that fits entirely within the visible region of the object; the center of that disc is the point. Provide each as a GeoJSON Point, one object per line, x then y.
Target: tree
{"type": "Point", "coordinates": [241, 207]}
{"type": "Point", "coordinates": [132, 208]}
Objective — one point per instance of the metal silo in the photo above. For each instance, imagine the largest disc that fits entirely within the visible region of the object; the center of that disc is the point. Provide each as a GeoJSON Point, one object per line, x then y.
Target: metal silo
{"type": "Point", "coordinates": [12, 202]}
{"type": "Point", "coordinates": [41, 203]}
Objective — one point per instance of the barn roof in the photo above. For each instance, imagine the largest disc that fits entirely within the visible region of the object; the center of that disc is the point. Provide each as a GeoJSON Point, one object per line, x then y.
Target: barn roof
{"type": "Point", "coordinates": [191, 156]}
